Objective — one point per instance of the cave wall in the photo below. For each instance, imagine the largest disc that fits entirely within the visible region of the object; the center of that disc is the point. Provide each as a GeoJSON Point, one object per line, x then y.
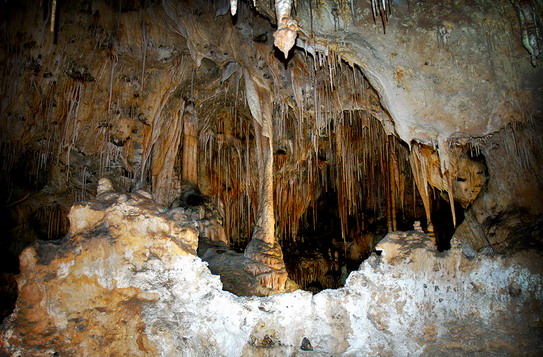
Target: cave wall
{"type": "Point", "coordinates": [467, 78]}
{"type": "Point", "coordinates": [111, 92]}
{"type": "Point", "coordinates": [82, 102]}
{"type": "Point", "coordinates": [466, 74]}
{"type": "Point", "coordinates": [120, 92]}
{"type": "Point", "coordinates": [88, 90]}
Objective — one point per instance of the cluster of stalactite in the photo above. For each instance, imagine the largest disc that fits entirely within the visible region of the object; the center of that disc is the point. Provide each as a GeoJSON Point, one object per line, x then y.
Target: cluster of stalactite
{"type": "Point", "coordinates": [327, 130]}
{"type": "Point", "coordinates": [147, 113]}
{"type": "Point", "coordinates": [326, 138]}
{"type": "Point", "coordinates": [313, 272]}
{"type": "Point", "coordinates": [78, 109]}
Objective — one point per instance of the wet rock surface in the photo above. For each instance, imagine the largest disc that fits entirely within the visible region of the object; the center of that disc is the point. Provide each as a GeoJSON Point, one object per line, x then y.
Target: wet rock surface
{"type": "Point", "coordinates": [127, 281]}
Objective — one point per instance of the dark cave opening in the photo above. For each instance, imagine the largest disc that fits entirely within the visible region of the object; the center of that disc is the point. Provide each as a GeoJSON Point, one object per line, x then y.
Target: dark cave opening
{"type": "Point", "coordinates": [359, 195]}
{"type": "Point", "coordinates": [469, 181]}
{"type": "Point", "coordinates": [443, 222]}
{"type": "Point", "coordinates": [319, 258]}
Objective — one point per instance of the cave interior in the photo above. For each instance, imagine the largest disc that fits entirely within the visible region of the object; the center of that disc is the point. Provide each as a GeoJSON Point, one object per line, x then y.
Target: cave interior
{"type": "Point", "coordinates": [314, 149]}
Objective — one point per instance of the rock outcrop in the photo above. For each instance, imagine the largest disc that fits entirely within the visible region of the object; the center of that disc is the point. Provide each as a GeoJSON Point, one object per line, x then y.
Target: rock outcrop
{"type": "Point", "coordinates": [81, 294]}
{"type": "Point", "coordinates": [127, 281]}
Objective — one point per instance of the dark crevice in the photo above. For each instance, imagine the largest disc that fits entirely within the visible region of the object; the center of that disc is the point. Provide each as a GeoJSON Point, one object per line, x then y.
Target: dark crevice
{"type": "Point", "coordinates": [443, 222]}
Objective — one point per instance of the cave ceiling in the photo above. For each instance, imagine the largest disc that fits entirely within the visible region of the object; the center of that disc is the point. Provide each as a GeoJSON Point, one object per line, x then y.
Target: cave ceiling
{"type": "Point", "coordinates": [430, 62]}
{"type": "Point", "coordinates": [444, 71]}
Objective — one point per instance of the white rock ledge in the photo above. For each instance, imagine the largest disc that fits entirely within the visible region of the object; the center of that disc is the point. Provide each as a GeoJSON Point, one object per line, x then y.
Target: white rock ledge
{"type": "Point", "coordinates": [131, 286]}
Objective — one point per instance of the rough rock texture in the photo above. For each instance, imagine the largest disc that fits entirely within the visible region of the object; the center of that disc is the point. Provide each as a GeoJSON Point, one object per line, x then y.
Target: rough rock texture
{"type": "Point", "coordinates": [460, 78]}
{"type": "Point", "coordinates": [199, 209]}
{"type": "Point", "coordinates": [243, 275]}
{"type": "Point", "coordinates": [76, 295]}
{"type": "Point", "coordinates": [124, 92]}
{"type": "Point", "coordinates": [509, 213]}
{"type": "Point", "coordinates": [126, 282]}
{"type": "Point", "coordinates": [260, 271]}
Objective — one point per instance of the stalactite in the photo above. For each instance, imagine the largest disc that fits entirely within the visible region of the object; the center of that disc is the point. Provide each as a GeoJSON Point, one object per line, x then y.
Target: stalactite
{"type": "Point", "coordinates": [153, 133]}
{"type": "Point", "coordinates": [285, 36]}
{"type": "Point", "coordinates": [326, 138]}
{"type": "Point", "coordinates": [233, 7]}
{"type": "Point", "coordinates": [190, 147]}
{"type": "Point", "coordinates": [10, 155]}
{"type": "Point", "coordinates": [70, 129]}
{"type": "Point", "coordinates": [381, 8]}
{"type": "Point", "coordinates": [419, 168]}
{"type": "Point", "coordinates": [145, 42]}
{"type": "Point", "coordinates": [447, 171]}
{"type": "Point", "coordinates": [388, 188]}
{"type": "Point", "coordinates": [53, 13]}
{"type": "Point", "coordinates": [393, 180]}
{"type": "Point", "coordinates": [162, 169]}
{"type": "Point", "coordinates": [113, 59]}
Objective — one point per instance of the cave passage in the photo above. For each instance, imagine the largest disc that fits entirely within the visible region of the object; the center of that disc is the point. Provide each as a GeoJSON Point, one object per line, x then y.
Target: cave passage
{"type": "Point", "coordinates": [371, 169]}
{"type": "Point", "coordinates": [298, 151]}
{"type": "Point", "coordinates": [331, 206]}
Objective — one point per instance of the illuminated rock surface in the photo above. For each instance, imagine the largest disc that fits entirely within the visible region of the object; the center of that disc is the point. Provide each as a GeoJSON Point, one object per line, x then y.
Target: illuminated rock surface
{"type": "Point", "coordinates": [383, 116]}
{"type": "Point", "coordinates": [126, 281]}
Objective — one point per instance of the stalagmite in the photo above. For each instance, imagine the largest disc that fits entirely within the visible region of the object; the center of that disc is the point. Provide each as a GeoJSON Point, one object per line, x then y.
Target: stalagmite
{"type": "Point", "coordinates": [263, 248]}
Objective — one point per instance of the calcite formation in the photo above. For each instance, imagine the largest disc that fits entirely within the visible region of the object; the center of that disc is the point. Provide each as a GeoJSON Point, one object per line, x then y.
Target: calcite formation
{"type": "Point", "coordinates": [76, 294]}
{"type": "Point", "coordinates": [285, 36]}
{"type": "Point", "coordinates": [461, 178]}
{"type": "Point", "coordinates": [126, 281]}
{"type": "Point", "coordinates": [156, 94]}
{"type": "Point", "coordinates": [374, 116]}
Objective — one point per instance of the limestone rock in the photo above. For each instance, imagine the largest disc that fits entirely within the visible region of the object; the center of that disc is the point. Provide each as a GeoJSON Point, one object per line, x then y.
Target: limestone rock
{"type": "Point", "coordinates": [126, 282]}
{"type": "Point", "coordinates": [194, 206]}
{"type": "Point", "coordinates": [104, 185]}
{"type": "Point", "coordinates": [80, 294]}
{"type": "Point", "coordinates": [242, 275]}
{"type": "Point", "coordinates": [265, 262]}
